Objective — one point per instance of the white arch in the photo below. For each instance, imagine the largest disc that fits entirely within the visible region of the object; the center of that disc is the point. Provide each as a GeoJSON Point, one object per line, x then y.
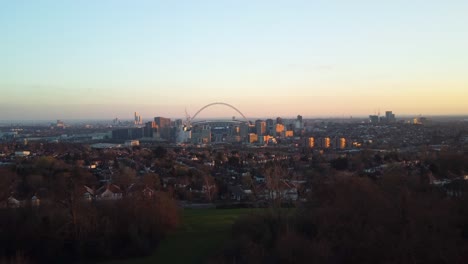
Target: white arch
{"type": "Point", "coordinates": [218, 103]}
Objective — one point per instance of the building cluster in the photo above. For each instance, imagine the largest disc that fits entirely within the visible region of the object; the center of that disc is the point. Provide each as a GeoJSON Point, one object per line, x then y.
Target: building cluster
{"type": "Point", "coordinates": [137, 119]}
{"type": "Point", "coordinates": [259, 132]}
{"type": "Point", "coordinates": [388, 118]}
{"type": "Point", "coordinates": [206, 132]}
{"type": "Point", "coordinates": [160, 128]}
{"type": "Point", "coordinates": [237, 172]}
{"type": "Point", "coordinates": [421, 121]}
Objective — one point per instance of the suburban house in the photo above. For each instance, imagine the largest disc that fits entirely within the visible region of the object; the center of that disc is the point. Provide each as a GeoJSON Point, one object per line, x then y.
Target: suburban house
{"type": "Point", "coordinates": [238, 193]}
{"type": "Point", "coordinates": [87, 193]}
{"type": "Point", "coordinates": [13, 203]}
{"type": "Point", "coordinates": [285, 190]}
{"type": "Point", "coordinates": [140, 190]}
{"type": "Point", "coordinates": [109, 192]}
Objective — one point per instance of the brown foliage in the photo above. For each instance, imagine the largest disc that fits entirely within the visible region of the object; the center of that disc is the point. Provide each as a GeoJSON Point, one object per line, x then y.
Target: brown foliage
{"type": "Point", "coordinates": [350, 219]}
{"type": "Point", "coordinates": [66, 228]}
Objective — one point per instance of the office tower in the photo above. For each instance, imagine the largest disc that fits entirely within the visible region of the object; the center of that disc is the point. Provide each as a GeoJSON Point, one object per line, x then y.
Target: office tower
{"type": "Point", "coordinates": [390, 117]}
{"type": "Point", "coordinates": [201, 134]}
{"type": "Point", "coordinates": [252, 138]}
{"type": "Point", "coordinates": [374, 119]}
{"type": "Point", "coordinates": [299, 123]}
{"type": "Point", "coordinates": [243, 130]}
{"type": "Point", "coordinates": [137, 119]}
{"type": "Point", "coordinates": [151, 129]}
{"type": "Point", "coordinates": [279, 130]}
{"type": "Point", "coordinates": [162, 121]}
{"type": "Point", "coordinates": [270, 127]}
{"type": "Point", "coordinates": [164, 126]}
{"type": "Point", "coordinates": [260, 127]}
{"type": "Point", "coordinates": [178, 123]}
{"type": "Point", "coordinates": [324, 142]}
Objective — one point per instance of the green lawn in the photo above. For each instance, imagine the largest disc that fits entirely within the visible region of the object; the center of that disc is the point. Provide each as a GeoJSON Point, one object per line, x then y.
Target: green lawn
{"type": "Point", "coordinates": [202, 233]}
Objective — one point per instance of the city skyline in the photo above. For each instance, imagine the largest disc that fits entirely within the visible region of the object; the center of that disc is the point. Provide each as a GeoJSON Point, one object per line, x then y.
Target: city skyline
{"type": "Point", "coordinates": [107, 59]}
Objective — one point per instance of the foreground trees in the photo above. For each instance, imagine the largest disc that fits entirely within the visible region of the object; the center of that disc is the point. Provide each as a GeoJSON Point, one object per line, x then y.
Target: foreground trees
{"type": "Point", "coordinates": [104, 230]}
{"type": "Point", "coordinates": [66, 227]}
{"type": "Point", "coordinates": [350, 219]}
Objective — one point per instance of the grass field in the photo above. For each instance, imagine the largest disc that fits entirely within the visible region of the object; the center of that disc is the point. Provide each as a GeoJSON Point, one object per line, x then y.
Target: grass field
{"type": "Point", "coordinates": [202, 233]}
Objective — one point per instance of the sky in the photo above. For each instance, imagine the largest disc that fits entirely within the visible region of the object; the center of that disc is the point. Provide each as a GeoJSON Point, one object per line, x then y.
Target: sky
{"type": "Point", "coordinates": [109, 58]}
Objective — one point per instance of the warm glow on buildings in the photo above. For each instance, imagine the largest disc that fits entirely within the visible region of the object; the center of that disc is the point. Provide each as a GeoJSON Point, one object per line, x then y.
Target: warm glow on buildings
{"type": "Point", "coordinates": [421, 121]}
{"type": "Point", "coordinates": [289, 133]}
{"type": "Point", "coordinates": [279, 128]}
{"type": "Point", "coordinates": [252, 137]}
{"type": "Point", "coordinates": [311, 142]}
{"type": "Point", "coordinates": [267, 138]}
{"type": "Point", "coordinates": [342, 143]}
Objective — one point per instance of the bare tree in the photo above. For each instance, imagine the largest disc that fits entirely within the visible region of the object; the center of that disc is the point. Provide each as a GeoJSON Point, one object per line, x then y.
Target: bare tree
{"type": "Point", "coordinates": [7, 178]}
{"type": "Point", "coordinates": [209, 186]}
{"type": "Point", "coordinates": [124, 177]}
{"type": "Point", "coordinates": [275, 175]}
{"type": "Point", "coordinates": [152, 180]}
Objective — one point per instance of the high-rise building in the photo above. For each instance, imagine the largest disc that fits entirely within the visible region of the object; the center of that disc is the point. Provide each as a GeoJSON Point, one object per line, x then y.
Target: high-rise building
{"type": "Point", "coordinates": [243, 130]}
{"type": "Point", "coordinates": [374, 119]}
{"type": "Point", "coordinates": [270, 127]}
{"type": "Point", "coordinates": [299, 123]}
{"type": "Point", "coordinates": [252, 138]}
{"type": "Point", "coordinates": [137, 119]}
{"type": "Point", "coordinates": [178, 123]}
{"type": "Point", "coordinates": [164, 126]}
{"type": "Point", "coordinates": [324, 142]}
{"type": "Point", "coordinates": [151, 129]}
{"type": "Point", "coordinates": [201, 134]}
{"type": "Point", "coordinates": [182, 134]}
{"type": "Point", "coordinates": [390, 117]}
{"type": "Point", "coordinates": [342, 143]}
{"type": "Point", "coordinates": [162, 121]}
{"type": "Point", "coordinates": [279, 130]}
{"type": "Point", "coordinates": [260, 127]}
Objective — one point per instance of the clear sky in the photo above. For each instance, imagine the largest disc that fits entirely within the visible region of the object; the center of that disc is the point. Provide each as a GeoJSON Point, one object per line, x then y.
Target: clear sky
{"type": "Point", "coordinates": [105, 59]}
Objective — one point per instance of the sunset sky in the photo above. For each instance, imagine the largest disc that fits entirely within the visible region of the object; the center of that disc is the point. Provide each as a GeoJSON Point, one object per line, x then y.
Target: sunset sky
{"type": "Point", "coordinates": [107, 59]}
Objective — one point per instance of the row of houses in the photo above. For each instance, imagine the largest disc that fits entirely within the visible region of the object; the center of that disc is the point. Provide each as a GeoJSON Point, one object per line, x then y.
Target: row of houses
{"type": "Point", "coordinates": [284, 190]}
{"type": "Point", "coordinates": [106, 192]}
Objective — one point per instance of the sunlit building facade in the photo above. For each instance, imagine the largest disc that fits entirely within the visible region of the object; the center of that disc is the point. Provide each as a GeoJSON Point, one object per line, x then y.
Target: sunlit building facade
{"type": "Point", "coordinates": [279, 130]}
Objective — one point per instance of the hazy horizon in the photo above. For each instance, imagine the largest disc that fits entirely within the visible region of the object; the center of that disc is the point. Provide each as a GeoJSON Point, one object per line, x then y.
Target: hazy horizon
{"type": "Point", "coordinates": [107, 59]}
{"type": "Point", "coordinates": [436, 118]}
{"type": "Point", "coordinates": [93, 112]}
